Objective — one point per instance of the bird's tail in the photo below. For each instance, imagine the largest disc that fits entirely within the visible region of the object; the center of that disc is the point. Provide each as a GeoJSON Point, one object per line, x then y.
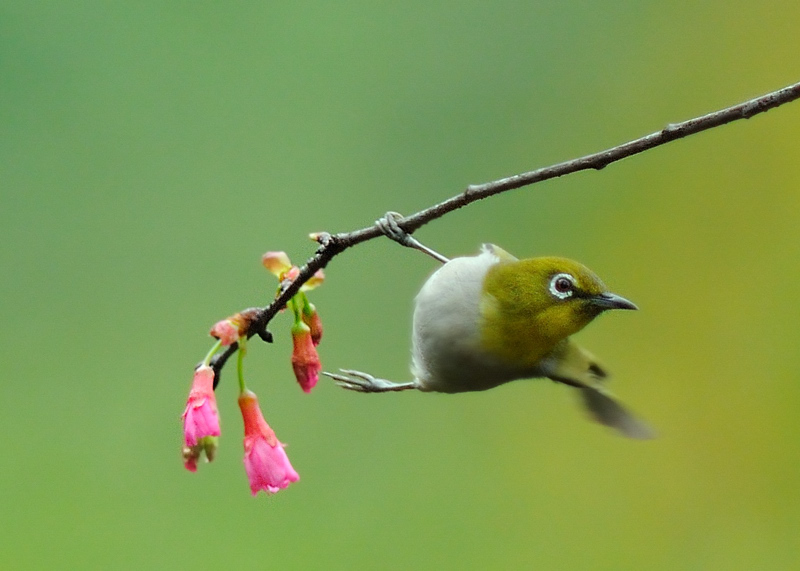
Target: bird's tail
{"type": "Point", "coordinates": [606, 410]}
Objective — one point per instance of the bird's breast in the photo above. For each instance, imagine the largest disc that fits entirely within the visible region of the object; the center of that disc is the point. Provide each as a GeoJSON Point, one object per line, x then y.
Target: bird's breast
{"type": "Point", "coordinates": [447, 347]}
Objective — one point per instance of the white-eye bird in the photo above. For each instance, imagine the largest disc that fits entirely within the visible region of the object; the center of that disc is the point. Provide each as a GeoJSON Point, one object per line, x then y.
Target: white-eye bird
{"type": "Point", "coordinates": [482, 321]}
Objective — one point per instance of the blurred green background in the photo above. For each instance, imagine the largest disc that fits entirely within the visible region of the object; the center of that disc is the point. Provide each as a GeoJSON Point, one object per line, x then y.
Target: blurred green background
{"type": "Point", "coordinates": [150, 152]}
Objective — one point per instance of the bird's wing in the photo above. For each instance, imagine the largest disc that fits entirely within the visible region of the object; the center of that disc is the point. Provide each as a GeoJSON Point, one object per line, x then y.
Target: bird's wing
{"type": "Point", "coordinates": [499, 253]}
{"type": "Point", "coordinates": [576, 367]}
{"type": "Point", "coordinates": [569, 361]}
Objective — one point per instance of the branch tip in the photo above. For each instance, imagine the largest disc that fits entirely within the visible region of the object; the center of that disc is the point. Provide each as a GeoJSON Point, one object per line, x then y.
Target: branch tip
{"type": "Point", "coordinates": [322, 238]}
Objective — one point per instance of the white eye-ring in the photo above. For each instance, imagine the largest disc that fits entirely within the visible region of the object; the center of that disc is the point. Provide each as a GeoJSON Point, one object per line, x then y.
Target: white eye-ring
{"type": "Point", "coordinates": [562, 286]}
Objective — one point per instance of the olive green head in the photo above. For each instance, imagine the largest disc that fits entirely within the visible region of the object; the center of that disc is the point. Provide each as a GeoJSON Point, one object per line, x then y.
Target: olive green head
{"type": "Point", "coordinates": [529, 306]}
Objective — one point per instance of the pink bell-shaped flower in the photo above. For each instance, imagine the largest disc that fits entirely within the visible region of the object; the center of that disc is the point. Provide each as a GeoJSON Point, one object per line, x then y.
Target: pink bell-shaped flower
{"type": "Point", "coordinates": [200, 419]}
{"type": "Point", "coordinates": [265, 460]}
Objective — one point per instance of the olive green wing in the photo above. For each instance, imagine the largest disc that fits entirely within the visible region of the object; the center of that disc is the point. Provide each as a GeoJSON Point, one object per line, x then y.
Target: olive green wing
{"type": "Point", "coordinates": [574, 366]}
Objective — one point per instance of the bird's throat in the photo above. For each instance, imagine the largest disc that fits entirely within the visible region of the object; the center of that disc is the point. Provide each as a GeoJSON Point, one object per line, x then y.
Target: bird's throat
{"type": "Point", "coordinates": [519, 339]}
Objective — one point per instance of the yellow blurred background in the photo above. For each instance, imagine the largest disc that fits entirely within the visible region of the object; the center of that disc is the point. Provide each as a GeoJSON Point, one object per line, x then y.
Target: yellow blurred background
{"type": "Point", "coordinates": [151, 152]}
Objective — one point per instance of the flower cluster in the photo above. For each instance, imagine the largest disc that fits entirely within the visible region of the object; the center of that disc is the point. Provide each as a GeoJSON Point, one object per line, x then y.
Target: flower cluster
{"type": "Point", "coordinates": [265, 460]}
{"type": "Point", "coordinates": [307, 326]}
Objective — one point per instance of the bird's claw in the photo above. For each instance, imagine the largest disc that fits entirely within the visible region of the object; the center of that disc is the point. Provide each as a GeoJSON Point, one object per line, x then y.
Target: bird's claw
{"type": "Point", "coordinates": [391, 229]}
{"type": "Point", "coordinates": [365, 383]}
{"type": "Point", "coordinates": [356, 381]}
{"type": "Point", "coordinates": [389, 226]}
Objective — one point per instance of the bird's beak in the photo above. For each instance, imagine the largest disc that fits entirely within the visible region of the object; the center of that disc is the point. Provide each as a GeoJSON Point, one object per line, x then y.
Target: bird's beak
{"type": "Point", "coordinates": [609, 300]}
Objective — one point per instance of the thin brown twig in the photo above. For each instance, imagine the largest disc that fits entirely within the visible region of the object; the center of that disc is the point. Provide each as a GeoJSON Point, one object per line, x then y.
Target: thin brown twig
{"type": "Point", "coordinates": [332, 245]}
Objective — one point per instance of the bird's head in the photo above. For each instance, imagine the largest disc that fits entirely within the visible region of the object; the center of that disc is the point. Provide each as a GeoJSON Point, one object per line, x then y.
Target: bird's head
{"type": "Point", "coordinates": [530, 305]}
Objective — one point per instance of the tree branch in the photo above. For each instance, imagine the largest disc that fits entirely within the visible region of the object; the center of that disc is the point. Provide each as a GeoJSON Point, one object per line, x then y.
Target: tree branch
{"type": "Point", "coordinates": [333, 245]}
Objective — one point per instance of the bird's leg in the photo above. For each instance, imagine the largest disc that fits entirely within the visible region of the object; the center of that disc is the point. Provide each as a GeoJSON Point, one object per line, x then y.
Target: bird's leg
{"type": "Point", "coordinates": [365, 383]}
{"type": "Point", "coordinates": [388, 225]}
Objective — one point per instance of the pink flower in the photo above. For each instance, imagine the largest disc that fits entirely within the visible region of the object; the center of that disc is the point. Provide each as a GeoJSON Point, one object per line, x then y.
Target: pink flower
{"type": "Point", "coordinates": [200, 419]}
{"type": "Point", "coordinates": [305, 360]}
{"type": "Point", "coordinates": [226, 331]}
{"type": "Point", "coordinates": [265, 460]}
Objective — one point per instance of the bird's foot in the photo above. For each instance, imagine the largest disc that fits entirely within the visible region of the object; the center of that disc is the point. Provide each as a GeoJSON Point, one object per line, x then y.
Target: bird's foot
{"type": "Point", "coordinates": [388, 225]}
{"type": "Point", "coordinates": [366, 383]}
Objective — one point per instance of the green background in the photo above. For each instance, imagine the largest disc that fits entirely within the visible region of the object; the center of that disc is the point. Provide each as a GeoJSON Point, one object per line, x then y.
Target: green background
{"type": "Point", "coordinates": [151, 152]}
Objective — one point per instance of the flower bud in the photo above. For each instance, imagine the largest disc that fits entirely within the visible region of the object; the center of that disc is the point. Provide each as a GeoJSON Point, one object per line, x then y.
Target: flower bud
{"type": "Point", "coordinates": [320, 237]}
{"type": "Point", "coordinates": [226, 331]}
{"type": "Point", "coordinates": [311, 318]}
{"type": "Point", "coordinates": [305, 361]}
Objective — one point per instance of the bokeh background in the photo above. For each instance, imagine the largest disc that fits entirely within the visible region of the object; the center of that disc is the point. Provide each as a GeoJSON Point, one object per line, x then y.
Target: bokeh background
{"type": "Point", "coordinates": [150, 152]}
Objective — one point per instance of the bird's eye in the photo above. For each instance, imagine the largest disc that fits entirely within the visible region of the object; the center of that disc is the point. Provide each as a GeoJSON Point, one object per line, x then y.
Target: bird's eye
{"type": "Point", "coordinates": [562, 285]}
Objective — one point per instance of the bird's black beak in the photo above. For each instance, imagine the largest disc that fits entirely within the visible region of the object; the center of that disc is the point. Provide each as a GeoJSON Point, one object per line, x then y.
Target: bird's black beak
{"type": "Point", "coordinates": [609, 300]}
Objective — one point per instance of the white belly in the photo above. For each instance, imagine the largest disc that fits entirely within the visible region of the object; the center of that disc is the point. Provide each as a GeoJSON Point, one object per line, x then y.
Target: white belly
{"type": "Point", "coordinates": [446, 351]}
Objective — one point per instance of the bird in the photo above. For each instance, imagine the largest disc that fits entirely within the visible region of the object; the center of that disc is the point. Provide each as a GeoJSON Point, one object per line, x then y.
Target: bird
{"type": "Point", "coordinates": [485, 320]}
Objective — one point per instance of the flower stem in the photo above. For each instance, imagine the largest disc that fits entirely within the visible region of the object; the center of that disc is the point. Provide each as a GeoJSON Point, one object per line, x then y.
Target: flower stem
{"type": "Point", "coordinates": [294, 303]}
{"type": "Point", "coordinates": [306, 304]}
{"type": "Point", "coordinates": [240, 366]}
{"type": "Point", "coordinates": [210, 354]}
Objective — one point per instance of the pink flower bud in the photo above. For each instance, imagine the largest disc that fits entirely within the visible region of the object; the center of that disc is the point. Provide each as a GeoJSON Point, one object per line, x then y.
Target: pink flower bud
{"type": "Point", "coordinates": [200, 418]}
{"type": "Point", "coordinates": [305, 360]}
{"type": "Point", "coordinates": [278, 263]}
{"type": "Point", "coordinates": [265, 460]}
{"type": "Point", "coordinates": [226, 331]}
{"type": "Point", "coordinates": [311, 318]}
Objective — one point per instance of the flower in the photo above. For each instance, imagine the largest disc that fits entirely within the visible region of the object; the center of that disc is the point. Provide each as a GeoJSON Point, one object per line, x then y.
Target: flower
{"type": "Point", "coordinates": [200, 419]}
{"type": "Point", "coordinates": [314, 281]}
{"type": "Point", "coordinates": [226, 331]}
{"type": "Point", "coordinates": [305, 360]}
{"type": "Point", "coordinates": [265, 460]}
{"type": "Point", "coordinates": [278, 263]}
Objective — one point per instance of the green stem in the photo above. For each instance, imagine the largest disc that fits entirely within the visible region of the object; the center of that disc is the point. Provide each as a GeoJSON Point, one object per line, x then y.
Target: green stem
{"type": "Point", "coordinates": [211, 353]}
{"type": "Point", "coordinates": [296, 309]}
{"type": "Point", "coordinates": [240, 366]}
{"type": "Point", "coordinates": [306, 304]}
